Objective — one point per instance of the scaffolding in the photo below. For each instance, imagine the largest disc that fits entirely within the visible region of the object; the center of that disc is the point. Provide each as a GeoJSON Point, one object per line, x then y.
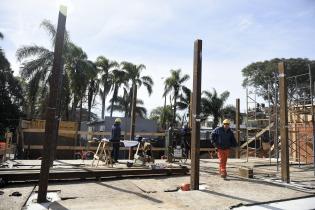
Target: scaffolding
{"type": "Point", "coordinates": [301, 121]}
{"type": "Point", "coordinates": [258, 126]}
{"type": "Point", "coordinates": [301, 117]}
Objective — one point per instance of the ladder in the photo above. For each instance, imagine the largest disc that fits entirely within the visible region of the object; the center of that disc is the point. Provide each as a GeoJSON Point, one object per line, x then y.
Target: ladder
{"type": "Point", "coordinates": [103, 153]}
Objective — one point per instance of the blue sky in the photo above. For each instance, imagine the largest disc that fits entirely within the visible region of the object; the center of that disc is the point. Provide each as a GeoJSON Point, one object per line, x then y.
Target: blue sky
{"type": "Point", "coordinates": [160, 34]}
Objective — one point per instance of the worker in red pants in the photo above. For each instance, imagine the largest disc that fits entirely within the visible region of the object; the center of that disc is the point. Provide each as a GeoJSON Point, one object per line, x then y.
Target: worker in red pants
{"type": "Point", "coordinates": [223, 139]}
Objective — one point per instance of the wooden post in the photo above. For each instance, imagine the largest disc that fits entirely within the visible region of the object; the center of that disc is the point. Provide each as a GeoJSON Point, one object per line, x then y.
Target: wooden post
{"type": "Point", "coordinates": [237, 123]}
{"type": "Point", "coordinates": [285, 174]}
{"type": "Point", "coordinates": [312, 111]}
{"type": "Point", "coordinates": [133, 116]}
{"type": "Point", "coordinates": [190, 110]}
{"type": "Point", "coordinates": [196, 97]}
{"type": "Point", "coordinates": [51, 119]}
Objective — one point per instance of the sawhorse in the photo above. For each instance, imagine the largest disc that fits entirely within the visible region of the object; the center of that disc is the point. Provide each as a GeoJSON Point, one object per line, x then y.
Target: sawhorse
{"type": "Point", "coordinates": [103, 153]}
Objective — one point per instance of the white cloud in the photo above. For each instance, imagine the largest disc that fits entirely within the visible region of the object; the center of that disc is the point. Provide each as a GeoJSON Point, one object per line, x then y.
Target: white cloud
{"type": "Point", "coordinates": [160, 34]}
{"type": "Point", "coordinates": [245, 22]}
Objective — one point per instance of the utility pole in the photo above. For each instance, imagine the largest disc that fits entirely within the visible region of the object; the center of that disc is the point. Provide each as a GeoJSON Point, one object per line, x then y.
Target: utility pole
{"type": "Point", "coordinates": [285, 173]}
{"type": "Point", "coordinates": [237, 119]}
{"type": "Point", "coordinates": [196, 98]}
{"type": "Point", "coordinates": [133, 115]}
{"type": "Point", "coordinates": [51, 129]}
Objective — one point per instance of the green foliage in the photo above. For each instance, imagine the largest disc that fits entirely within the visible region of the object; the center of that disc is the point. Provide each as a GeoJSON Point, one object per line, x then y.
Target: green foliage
{"type": "Point", "coordinates": [10, 94]}
{"type": "Point", "coordinates": [212, 104]}
{"type": "Point", "coordinates": [259, 74]}
{"type": "Point", "coordinates": [162, 115]}
{"type": "Point", "coordinates": [105, 66]}
{"type": "Point", "coordinates": [173, 84]}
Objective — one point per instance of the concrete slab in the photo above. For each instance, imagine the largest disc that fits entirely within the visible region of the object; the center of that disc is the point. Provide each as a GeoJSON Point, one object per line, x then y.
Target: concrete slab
{"type": "Point", "coordinates": [148, 193]}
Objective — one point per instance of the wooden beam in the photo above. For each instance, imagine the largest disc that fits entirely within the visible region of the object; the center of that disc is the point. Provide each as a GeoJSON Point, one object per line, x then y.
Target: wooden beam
{"type": "Point", "coordinates": [285, 174]}
{"type": "Point", "coordinates": [97, 133]}
{"type": "Point", "coordinates": [51, 127]}
{"type": "Point", "coordinates": [237, 123]}
{"type": "Point", "coordinates": [75, 173]}
{"type": "Point", "coordinates": [196, 97]}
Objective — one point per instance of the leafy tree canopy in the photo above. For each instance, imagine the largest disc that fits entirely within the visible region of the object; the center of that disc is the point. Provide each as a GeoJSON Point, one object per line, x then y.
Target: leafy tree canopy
{"type": "Point", "coordinates": [259, 74]}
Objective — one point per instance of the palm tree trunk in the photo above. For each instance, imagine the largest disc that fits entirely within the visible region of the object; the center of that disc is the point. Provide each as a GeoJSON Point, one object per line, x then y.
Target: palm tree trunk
{"type": "Point", "coordinates": [114, 99]}
{"type": "Point", "coordinates": [175, 97]}
{"type": "Point", "coordinates": [80, 115]}
{"type": "Point", "coordinates": [103, 104]}
{"type": "Point", "coordinates": [90, 98]}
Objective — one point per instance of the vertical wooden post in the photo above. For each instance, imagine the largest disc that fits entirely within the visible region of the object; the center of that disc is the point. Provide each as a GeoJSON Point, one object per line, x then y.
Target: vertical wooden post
{"type": "Point", "coordinates": [133, 115]}
{"type": "Point", "coordinates": [51, 112]}
{"type": "Point", "coordinates": [285, 174]}
{"type": "Point", "coordinates": [196, 98]}
{"type": "Point", "coordinates": [312, 112]}
{"type": "Point", "coordinates": [190, 110]}
{"type": "Point", "coordinates": [237, 123]}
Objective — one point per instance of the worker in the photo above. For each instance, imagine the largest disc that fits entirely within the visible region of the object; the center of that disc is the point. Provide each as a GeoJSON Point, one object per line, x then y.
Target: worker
{"type": "Point", "coordinates": [223, 139]}
{"type": "Point", "coordinates": [185, 138]}
{"type": "Point", "coordinates": [115, 139]}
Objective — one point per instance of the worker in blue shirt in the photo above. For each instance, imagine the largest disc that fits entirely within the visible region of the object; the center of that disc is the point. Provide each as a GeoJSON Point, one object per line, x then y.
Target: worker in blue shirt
{"type": "Point", "coordinates": [223, 139]}
{"type": "Point", "coordinates": [115, 139]}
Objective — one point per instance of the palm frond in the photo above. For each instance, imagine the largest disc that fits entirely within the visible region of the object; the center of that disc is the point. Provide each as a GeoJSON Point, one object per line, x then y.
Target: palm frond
{"type": "Point", "coordinates": [28, 51]}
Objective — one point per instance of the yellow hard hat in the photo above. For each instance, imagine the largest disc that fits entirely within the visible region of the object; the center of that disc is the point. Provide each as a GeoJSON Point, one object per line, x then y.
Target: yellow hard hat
{"type": "Point", "coordinates": [117, 120]}
{"type": "Point", "coordinates": [226, 121]}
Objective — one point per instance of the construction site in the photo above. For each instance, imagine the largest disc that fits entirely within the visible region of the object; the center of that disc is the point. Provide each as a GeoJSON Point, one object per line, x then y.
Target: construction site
{"type": "Point", "coordinates": [55, 164]}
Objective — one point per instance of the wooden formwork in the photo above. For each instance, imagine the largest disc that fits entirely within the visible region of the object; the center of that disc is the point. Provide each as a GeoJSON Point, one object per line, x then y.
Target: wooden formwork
{"type": "Point", "coordinates": [301, 145]}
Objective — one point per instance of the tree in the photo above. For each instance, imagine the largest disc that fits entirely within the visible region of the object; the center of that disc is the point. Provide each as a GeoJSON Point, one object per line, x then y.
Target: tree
{"type": "Point", "coordinates": [212, 104]}
{"type": "Point", "coordinates": [123, 105]}
{"type": "Point", "coordinates": [173, 84]}
{"type": "Point", "coordinates": [118, 79]}
{"type": "Point", "coordinates": [133, 74]}
{"type": "Point", "coordinates": [10, 93]}
{"type": "Point", "coordinates": [162, 115]}
{"type": "Point", "coordinates": [105, 66]}
{"type": "Point", "coordinates": [184, 100]}
{"type": "Point", "coordinates": [259, 74]}
{"type": "Point", "coordinates": [37, 70]}
{"type": "Point", "coordinates": [80, 71]}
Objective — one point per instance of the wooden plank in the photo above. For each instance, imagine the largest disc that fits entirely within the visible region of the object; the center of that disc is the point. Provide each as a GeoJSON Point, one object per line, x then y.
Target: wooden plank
{"type": "Point", "coordinates": [26, 175]}
{"type": "Point", "coordinates": [80, 148]}
{"type": "Point", "coordinates": [96, 133]}
{"type": "Point", "coordinates": [238, 131]}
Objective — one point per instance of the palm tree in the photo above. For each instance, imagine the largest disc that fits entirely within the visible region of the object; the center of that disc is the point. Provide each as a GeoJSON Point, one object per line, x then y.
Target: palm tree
{"type": "Point", "coordinates": [174, 84]}
{"type": "Point", "coordinates": [104, 65]}
{"type": "Point", "coordinates": [80, 71]}
{"type": "Point", "coordinates": [133, 73]}
{"type": "Point", "coordinates": [123, 105]}
{"type": "Point", "coordinates": [163, 115]}
{"type": "Point", "coordinates": [37, 70]}
{"type": "Point", "coordinates": [212, 104]}
{"type": "Point", "coordinates": [93, 87]}
{"type": "Point", "coordinates": [118, 78]}
{"type": "Point", "coordinates": [184, 98]}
